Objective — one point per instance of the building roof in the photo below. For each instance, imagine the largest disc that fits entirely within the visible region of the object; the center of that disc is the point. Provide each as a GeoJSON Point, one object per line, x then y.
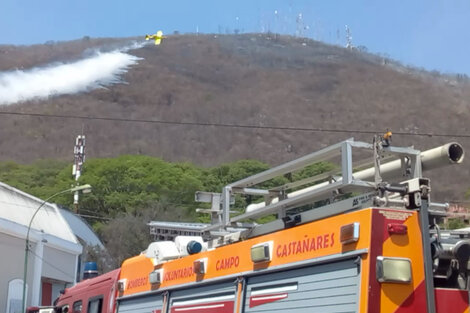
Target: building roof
{"type": "Point", "coordinates": [178, 225]}
{"type": "Point", "coordinates": [18, 207]}
{"type": "Point", "coordinates": [81, 229]}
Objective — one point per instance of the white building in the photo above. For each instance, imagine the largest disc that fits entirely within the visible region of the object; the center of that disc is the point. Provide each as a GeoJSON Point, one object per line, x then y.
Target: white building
{"type": "Point", "coordinates": [53, 254]}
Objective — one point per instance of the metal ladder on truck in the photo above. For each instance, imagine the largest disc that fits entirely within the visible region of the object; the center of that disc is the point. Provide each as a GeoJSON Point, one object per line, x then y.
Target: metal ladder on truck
{"type": "Point", "coordinates": [392, 179]}
{"type": "Point", "coordinates": [366, 183]}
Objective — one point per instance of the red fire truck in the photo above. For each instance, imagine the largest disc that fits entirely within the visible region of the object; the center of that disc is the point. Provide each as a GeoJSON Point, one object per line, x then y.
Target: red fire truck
{"type": "Point", "coordinates": [94, 295]}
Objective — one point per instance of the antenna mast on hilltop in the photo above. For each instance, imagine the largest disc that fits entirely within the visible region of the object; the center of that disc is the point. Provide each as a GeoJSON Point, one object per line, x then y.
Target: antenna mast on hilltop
{"type": "Point", "coordinates": [349, 44]}
{"type": "Point", "coordinates": [79, 159]}
{"type": "Point", "coordinates": [300, 25]}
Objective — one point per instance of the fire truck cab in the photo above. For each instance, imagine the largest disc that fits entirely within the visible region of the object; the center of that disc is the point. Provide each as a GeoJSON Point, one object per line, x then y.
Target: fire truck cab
{"type": "Point", "coordinates": [94, 295]}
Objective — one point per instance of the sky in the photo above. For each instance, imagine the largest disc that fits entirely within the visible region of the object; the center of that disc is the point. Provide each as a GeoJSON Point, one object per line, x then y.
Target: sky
{"type": "Point", "coordinates": [430, 34]}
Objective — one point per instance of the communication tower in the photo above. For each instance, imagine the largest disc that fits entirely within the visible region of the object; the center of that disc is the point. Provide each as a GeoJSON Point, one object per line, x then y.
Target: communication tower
{"type": "Point", "coordinates": [79, 159]}
{"type": "Point", "coordinates": [349, 44]}
{"type": "Point", "coordinates": [300, 25]}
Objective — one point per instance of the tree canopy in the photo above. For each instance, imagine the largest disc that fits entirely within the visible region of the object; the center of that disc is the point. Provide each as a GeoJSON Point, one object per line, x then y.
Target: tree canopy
{"type": "Point", "coordinates": [131, 190]}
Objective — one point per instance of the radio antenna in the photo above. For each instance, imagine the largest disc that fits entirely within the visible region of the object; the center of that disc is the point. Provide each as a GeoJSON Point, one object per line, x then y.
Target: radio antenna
{"type": "Point", "coordinates": [79, 159]}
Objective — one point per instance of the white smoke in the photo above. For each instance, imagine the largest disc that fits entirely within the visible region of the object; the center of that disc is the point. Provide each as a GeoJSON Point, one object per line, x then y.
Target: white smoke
{"type": "Point", "coordinates": [101, 69]}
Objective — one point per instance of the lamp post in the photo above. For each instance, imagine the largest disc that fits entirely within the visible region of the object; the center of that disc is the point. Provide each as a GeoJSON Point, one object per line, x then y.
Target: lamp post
{"type": "Point", "coordinates": [83, 188]}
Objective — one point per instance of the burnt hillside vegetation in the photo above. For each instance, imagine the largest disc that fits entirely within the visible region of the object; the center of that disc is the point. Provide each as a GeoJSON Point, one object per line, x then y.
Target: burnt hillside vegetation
{"type": "Point", "coordinates": [175, 102]}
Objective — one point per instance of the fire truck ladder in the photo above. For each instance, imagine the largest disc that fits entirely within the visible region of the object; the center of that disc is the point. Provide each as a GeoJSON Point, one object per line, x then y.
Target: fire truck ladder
{"type": "Point", "coordinates": [347, 187]}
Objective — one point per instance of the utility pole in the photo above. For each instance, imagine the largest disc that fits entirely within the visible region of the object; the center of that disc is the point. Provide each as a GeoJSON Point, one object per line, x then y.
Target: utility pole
{"type": "Point", "coordinates": [79, 159]}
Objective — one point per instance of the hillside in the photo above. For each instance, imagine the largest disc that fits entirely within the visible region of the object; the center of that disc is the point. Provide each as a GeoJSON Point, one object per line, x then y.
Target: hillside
{"type": "Point", "coordinates": [250, 79]}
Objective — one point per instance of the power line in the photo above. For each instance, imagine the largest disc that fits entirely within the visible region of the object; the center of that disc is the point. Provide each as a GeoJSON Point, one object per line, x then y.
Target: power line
{"type": "Point", "coordinates": [95, 217]}
{"type": "Point", "coordinates": [205, 124]}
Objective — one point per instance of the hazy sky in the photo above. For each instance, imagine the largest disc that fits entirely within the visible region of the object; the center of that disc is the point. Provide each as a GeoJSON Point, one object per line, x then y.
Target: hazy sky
{"type": "Point", "coordinates": [433, 34]}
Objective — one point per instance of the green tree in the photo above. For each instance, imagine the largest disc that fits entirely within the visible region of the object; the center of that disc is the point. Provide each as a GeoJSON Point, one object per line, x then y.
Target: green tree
{"type": "Point", "coordinates": [129, 191]}
{"type": "Point", "coordinates": [455, 223]}
{"type": "Point", "coordinates": [131, 183]}
{"type": "Point", "coordinates": [217, 177]}
{"type": "Point", "coordinates": [39, 178]}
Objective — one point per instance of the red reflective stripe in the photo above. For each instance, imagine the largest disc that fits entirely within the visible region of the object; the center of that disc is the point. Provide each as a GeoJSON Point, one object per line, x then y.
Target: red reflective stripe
{"type": "Point", "coordinates": [451, 300]}
{"type": "Point", "coordinates": [416, 301]}
{"type": "Point", "coordinates": [268, 298]}
{"type": "Point", "coordinates": [376, 247]}
{"type": "Point", "coordinates": [211, 307]}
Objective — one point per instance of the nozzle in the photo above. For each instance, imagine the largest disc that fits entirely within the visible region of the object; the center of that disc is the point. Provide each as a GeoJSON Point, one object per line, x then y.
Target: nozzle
{"type": "Point", "coordinates": [456, 153]}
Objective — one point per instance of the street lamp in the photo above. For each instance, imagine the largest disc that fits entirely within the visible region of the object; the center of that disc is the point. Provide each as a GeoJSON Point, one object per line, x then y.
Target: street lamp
{"type": "Point", "coordinates": [83, 188]}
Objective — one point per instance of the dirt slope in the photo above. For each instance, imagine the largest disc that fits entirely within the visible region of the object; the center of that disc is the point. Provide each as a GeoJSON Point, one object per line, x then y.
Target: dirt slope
{"type": "Point", "coordinates": [252, 79]}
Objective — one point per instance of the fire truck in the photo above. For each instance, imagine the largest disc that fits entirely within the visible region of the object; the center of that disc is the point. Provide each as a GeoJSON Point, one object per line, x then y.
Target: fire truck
{"type": "Point", "coordinates": [93, 295]}
{"type": "Point", "coordinates": [362, 237]}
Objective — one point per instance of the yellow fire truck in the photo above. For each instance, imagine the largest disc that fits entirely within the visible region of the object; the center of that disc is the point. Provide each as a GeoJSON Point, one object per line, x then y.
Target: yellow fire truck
{"type": "Point", "coordinates": [362, 237]}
